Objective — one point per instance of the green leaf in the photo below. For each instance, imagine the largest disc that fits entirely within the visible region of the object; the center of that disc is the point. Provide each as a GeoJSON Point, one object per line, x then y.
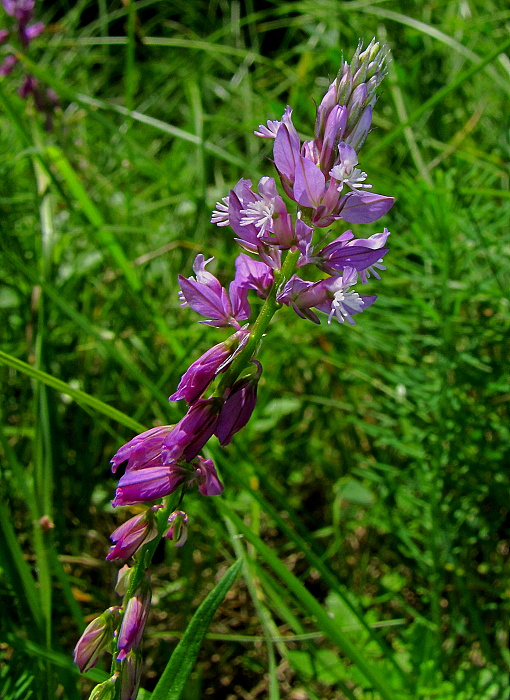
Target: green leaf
{"type": "Point", "coordinates": [180, 665]}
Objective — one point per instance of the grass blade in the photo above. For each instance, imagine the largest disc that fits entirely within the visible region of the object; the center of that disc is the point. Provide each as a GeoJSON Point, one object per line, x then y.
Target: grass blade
{"type": "Point", "coordinates": [79, 396]}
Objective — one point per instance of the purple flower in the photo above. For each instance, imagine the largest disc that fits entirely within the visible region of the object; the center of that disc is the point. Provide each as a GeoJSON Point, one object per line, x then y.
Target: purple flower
{"type": "Point", "coordinates": [8, 65]}
{"type": "Point", "coordinates": [130, 675]}
{"type": "Point", "coordinates": [132, 535]}
{"type": "Point", "coordinates": [252, 274]}
{"type": "Point", "coordinates": [143, 450]}
{"type": "Point", "coordinates": [253, 217]}
{"type": "Point", "coordinates": [22, 11]}
{"type": "Point", "coordinates": [333, 296]}
{"type": "Point", "coordinates": [95, 639]}
{"type": "Point", "coordinates": [178, 530]}
{"type": "Point", "coordinates": [135, 617]}
{"type": "Point", "coordinates": [207, 297]}
{"type": "Point", "coordinates": [192, 431]}
{"type": "Point", "coordinates": [201, 373]}
{"type": "Point", "coordinates": [345, 172]}
{"type": "Point", "coordinates": [238, 406]}
{"type": "Point", "coordinates": [142, 485]}
{"type": "Point", "coordinates": [344, 252]}
{"type": "Point", "coordinates": [271, 130]}
{"type": "Point", "coordinates": [207, 478]}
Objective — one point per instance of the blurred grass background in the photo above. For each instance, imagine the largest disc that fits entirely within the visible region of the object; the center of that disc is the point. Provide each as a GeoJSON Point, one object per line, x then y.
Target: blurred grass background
{"type": "Point", "coordinates": [376, 464]}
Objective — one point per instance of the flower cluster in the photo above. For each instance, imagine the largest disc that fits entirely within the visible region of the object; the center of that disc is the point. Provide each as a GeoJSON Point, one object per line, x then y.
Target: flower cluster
{"type": "Point", "coordinates": [45, 99]}
{"type": "Point", "coordinates": [321, 179]}
{"type": "Point", "coordinates": [320, 176]}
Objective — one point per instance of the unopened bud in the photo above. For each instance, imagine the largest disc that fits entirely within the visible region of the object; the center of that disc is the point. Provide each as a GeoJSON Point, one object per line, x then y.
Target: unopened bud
{"type": "Point", "coordinates": [356, 105]}
{"type": "Point", "coordinates": [130, 676]}
{"type": "Point", "coordinates": [105, 690]}
{"type": "Point", "coordinates": [178, 531]}
{"type": "Point", "coordinates": [123, 580]}
{"type": "Point", "coordinates": [95, 639]}
{"type": "Point", "coordinates": [135, 617]}
{"type": "Point", "coordinates": [344, 85]}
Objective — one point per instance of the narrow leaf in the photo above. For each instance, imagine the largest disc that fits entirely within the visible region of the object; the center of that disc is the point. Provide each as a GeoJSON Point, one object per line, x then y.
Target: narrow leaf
{"type": "Point", "coordinates": [180, 665]}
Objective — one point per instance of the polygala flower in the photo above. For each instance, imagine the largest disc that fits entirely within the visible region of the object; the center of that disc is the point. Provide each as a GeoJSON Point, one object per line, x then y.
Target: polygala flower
{"type": "Point", "coordinates": [201, 373]}
{"type": "Point", "coordinates": [133, 534]}
{"type": "Point", "coordinates": [95, 639]}
{"type": "Point", "coordinates": [322, 178]}
{"type": "Point", "coordinates": [238, 406]}
{"type": "Point", "coordinates": [135, 617]}
{"type": "Point", "coordinates": [142, 451]}
{"type": "Point", "coordinates": [192, 432]}
{"type": "Point", "coordinates": [207, 297]}
{"type": "Point", "coordinates": [333, 296]}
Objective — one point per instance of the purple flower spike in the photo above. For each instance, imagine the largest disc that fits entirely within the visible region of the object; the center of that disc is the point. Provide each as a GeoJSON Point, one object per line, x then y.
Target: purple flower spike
{"type": "Point", "coordinates": [178, 530]}
{"type": "Point", "coordinates": [135, 617]}
{"type": "Point", "coordinates": [143, 449]}
{"type": "Point", "coordinates": [132, 535]}
{"type": "Point", "coordinates": [192, 432]}
{"type": "Point", "coordinates": [207, 478]}
{"type": "Point", "coordinates": [201, 373]}
{"type": "Point", "coordinates": [207, 297]}
{"type": "Point", "coordinates": [130, 675]}
{"type": "Point", "coordinates": [96, 637]}
{"type": "Point", "coordinates": [238, 406]}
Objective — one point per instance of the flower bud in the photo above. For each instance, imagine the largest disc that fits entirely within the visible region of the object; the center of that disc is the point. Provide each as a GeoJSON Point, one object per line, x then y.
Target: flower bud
{"type": "Point", "coordinates": [96, 637]}
{"type": "Point", "coordinates": [123, 580]}
{"type": "Point", "coordinates": [135, 617]}
{"type": "Point", "coordinates": [132, 535]}
{"type": "Point", "coordinates": [130, 676]}
{"type": "Point", "coordinates": [105, 690]}
{"type": "Point", "coordinates": [238, 406]}
{"type": "Point", "coordinates": [178, 532]}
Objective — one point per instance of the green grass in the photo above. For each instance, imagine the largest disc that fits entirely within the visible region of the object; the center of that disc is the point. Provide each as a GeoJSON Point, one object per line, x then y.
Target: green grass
{"type": "Point", "coordinates": [371, 485]}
